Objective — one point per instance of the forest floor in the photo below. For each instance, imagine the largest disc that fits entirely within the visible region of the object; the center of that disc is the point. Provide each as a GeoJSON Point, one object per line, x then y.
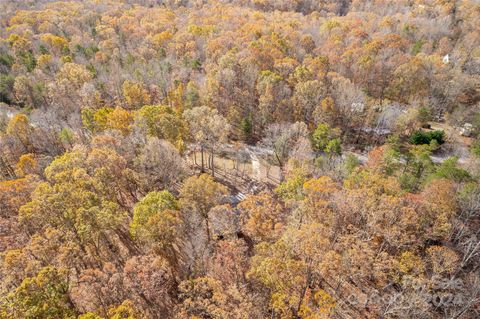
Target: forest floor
{"type": "Point", "coordinates": [248, 162]}
{"type": "Point", "coordinates": [456, 144]}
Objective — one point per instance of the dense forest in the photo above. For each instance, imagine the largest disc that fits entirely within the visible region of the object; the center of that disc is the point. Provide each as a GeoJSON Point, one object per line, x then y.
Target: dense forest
{"type": "Point", "coordinates": [241, 159]}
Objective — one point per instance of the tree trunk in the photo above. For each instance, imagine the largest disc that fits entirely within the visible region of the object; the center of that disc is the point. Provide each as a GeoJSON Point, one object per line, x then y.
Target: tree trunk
{"type": "Point", "coordinates": [203, 163]}
{"type": "Point", "coordinates": [304, 289]}
{"type": "Point", "coordinates": [282, 176]}
{"type": "Point", "coordinates": [213, 164]}
{"type": "Point", "coordinates": [208, 229]}
{"type": "Point", "coordinates": [6, 169]}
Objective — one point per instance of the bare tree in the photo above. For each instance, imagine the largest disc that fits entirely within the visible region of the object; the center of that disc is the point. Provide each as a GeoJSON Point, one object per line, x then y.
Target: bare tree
{"type": "Point", "coordinates": [284, 140]}
{"type": "Point", "coordinates": [209, 130]}
{"type": "Point", "coordinates": [159, 164]}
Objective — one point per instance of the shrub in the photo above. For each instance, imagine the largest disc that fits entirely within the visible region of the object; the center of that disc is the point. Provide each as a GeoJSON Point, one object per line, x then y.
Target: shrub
{"type": "Point", "coordinates": [246, 128]}
{"type": "Point", "coordinates": [421, 137]}
{"type": "Point", "coordinates": [6, 88]}
{"type": "Point", "coordinates": [449, 170]}
{"type": "Point", "coordinates": [424, 115]}
{"type": "Point", "coordinates": [475, 148]}
{"type": "Point", "coordinates": [326, 139]}
{"type": "Point", "coordinates": [438, 136]}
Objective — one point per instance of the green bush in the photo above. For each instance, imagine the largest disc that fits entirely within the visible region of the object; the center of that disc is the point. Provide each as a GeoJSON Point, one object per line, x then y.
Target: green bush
{"type": "Point", "coordinates": [438, 136]}
{"type": "Point", "coordinates": [449, 169]}
{"type": "Point", "coordinates": [326, 139]}
{"type": "Point", "coordinates": [6, 88]}
{"type": "Point", "coordinates": [421, 137]}
{"type": "Point", "coordinates": [417, 47]}
{"type": "Point", "coordinates": [350, 163]}
{"type": "Point", "coordinates": [246, 128]}
{"type": "Point", "coordinates": [408, 182]}
{"type": "Point", "coordinates": [6, 60]}
{"type": "Point", "coordinates": [424, 115]}
{"type": "Point", "coordinates": [475, 148]}
{"type": "Point", "coordinates": [28, 60]}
